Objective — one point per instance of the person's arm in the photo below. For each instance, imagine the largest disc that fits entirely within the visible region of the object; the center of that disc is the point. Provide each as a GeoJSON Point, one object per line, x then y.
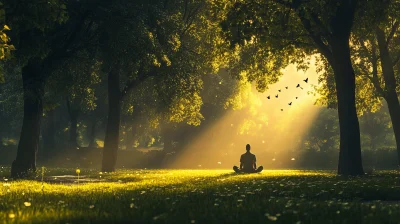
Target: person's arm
{"type": "Point", "coordinates": [255, 166]}
{"type": "Point", "coordinates": [241, 162]}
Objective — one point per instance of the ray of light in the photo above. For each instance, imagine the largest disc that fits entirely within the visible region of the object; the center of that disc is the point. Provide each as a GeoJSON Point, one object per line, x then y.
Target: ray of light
{"type": "Point", "coordinates": [275, 135]}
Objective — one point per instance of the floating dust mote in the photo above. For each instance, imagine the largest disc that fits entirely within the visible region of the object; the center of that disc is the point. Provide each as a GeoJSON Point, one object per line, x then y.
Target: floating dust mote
{"type": "Point", "coordinates": [272, 127]}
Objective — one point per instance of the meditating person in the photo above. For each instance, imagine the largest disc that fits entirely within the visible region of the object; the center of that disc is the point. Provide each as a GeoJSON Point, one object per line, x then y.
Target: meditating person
{"type": "Point", "coordinates": [248, 163]}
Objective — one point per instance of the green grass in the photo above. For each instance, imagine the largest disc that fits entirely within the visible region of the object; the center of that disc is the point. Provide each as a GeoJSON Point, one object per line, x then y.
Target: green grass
{"type": "Point", "coordinates": [201, 196]}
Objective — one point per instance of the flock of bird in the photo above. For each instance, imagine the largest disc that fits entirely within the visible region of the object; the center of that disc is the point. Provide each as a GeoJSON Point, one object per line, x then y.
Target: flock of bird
{"type": "Point", "coordinates": [287, 87]}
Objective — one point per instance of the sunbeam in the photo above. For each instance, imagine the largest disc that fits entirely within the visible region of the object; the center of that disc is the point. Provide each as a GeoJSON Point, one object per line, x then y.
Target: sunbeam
{"type": "Point", "coordinates": [273, 127]}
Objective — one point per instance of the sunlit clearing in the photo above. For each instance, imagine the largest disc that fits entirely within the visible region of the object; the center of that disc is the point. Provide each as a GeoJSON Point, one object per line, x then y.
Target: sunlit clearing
{"type": "Point", "coordinates": [273, 127]}
{"type": "Point", "coordinates": [169, 195]}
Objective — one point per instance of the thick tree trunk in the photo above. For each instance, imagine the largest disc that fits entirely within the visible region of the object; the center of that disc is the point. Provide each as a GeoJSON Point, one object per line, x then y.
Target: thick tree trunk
{"type": "Point", "coordinates": [350, 162]}
{"type": "Point", "coordinates": [33, 85]}
{"type": "Point", "coordinates": [48, 136]}
{"type": "Point", "coordinates": [390, 93]}
{"type": "Point", "coordinates": [113, 121]}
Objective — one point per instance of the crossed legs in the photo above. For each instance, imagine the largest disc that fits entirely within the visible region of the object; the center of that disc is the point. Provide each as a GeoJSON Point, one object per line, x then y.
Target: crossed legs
{"type": "Point", "coordinates": [237, 170]}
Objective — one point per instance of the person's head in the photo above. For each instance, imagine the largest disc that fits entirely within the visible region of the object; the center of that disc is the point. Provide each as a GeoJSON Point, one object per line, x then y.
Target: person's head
{"type": "Point", "coordinates": [248, 147]}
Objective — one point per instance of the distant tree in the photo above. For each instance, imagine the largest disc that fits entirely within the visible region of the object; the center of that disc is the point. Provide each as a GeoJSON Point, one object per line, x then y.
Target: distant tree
{"type": "Point", "coordinates": [130, 45]}
{"type": "Point", "coordinates": [324, 133]}
{"type": "Point", "coordinates": [165, 45]}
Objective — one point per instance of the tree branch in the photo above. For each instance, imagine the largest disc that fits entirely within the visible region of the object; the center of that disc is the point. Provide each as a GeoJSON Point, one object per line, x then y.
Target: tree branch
{"type": "Point", "coordinates": [191, 16]}
{"type": "Point", "coordinates": [284, 3]}
{"type": "Point", "coordinates": [396, 60]}
{"type": "Point", "coordinates": [367, 52]}
{"type": "Point", "coordinates": [142, 76]}
{"type": "Point", "coordinates": [376, 84]}
{"type": "Point", "coordinates": [392, 32]}
{"type": "Point", "coordinates": [374, 79]}
{"type": "Point", "coordinates": [319, 23]}
{"type": "Point", "coordinates": [323, 48]}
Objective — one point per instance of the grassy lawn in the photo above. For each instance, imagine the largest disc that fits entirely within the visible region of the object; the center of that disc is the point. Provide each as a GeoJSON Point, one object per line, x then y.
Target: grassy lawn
{"type": "Point", "coordinates": [200, 196]}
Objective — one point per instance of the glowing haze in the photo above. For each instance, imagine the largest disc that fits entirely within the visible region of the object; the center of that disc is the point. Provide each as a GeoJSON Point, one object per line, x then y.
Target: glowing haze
{"type": "Point", "coordinates": [261, 123]}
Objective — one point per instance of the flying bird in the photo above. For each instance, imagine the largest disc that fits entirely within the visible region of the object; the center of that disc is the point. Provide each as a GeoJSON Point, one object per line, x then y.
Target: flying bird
{"type": "Point", "coordinates": [298, 85]}
{"type": "Point", "coordinates": [287, 87]}
{"type": "Point", "coordinates": [305, 80]}
{"type": "Point", "coordinates": [276, 96]}
{"type": "Point", "coordinates": [269, 97]}
{"type": "Point", "coordinates": [279, 90]}
{"type": "Point", "coordinates": [290, 103]}
{"type": "Point", "coordinates": [296, 97]}
{"type": "Point", "coordinates": [281, 109]}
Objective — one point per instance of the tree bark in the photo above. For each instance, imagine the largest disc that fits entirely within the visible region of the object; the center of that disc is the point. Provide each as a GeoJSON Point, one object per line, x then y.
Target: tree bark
{"type": "Point", "coordinates": [350, 162]}
{"type": "Point", "coordinates": [33, 85]}
{"type": "Point", "coordinates": [113, 121]}
{"type": "Point", "coordinates": [390, 94]}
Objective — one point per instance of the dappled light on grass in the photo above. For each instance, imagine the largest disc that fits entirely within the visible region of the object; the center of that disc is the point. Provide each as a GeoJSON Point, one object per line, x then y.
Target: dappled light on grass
{"type": "Point", "coordinates": [206, 196]}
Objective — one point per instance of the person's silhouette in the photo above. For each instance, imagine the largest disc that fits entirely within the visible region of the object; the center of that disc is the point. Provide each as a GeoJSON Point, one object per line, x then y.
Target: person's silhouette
{"type": "Point", "coordinates": [248, 163]}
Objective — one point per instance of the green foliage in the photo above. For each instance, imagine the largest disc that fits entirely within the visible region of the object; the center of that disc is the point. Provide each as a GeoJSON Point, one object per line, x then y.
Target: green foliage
{"type": "Point", "coordinates": [185, 44]}
{"type": "Point", "coordinates": [366, 95]}
{"type": "Point", "coordinates": [324, 133]}
{"type": "Point", "coordinates": [375, 127]}
{"type": "Point", "coordinates": [370, 85]}
{"type": "Point", "coordinates": [76, 79]}
{"type": "Point", "coordinates": [5, 46]}
{"type": "Point", "coordinates": [31, 25]}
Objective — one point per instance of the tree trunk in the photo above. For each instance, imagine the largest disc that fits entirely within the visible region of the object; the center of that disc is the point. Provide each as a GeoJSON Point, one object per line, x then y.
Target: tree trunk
{"type": "Point", "coordinates": [49, 144]}
{"type": "Point", "coordinates": [113, 121]}
{"type": "Point", "coordinates": [390, 94]}
{"type": "Point", "coordinates": [33, 85]}
{"type": "Point", "coordinates": [350, 162]}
